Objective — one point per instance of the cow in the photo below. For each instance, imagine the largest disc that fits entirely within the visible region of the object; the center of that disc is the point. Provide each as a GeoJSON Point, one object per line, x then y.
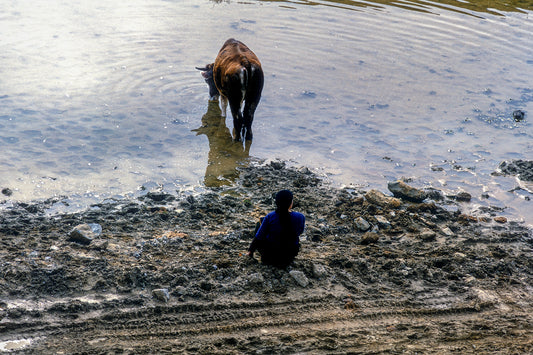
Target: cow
{"type": "Point", "coordinates": [236, 76]}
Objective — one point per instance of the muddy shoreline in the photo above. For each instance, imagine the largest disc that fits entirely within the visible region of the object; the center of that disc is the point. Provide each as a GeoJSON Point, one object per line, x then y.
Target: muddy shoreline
{"type": "Point", "coordinates": [167, 273]}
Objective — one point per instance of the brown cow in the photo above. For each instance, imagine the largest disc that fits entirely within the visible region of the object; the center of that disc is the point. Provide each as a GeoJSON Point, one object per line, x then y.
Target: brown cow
{"type": "Point", "coordinates": [237, 76]}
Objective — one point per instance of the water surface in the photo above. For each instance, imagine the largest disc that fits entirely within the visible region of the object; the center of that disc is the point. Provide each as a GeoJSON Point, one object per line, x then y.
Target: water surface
{"type": "Point", "coordinates": [98, 99]}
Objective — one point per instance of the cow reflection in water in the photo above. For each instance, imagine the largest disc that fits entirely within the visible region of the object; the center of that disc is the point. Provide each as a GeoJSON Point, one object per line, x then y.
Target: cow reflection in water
{"type": "Point", "coordinates": [225, 154]}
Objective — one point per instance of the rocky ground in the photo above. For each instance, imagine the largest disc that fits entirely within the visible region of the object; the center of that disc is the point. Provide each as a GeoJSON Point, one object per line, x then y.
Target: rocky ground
{"type": "Point", "coordinates": [168, 274]}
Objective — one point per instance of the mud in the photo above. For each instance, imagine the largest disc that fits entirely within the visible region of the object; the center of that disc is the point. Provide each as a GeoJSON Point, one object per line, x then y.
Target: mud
{"type": "Point", "coordinates": [168, 273]}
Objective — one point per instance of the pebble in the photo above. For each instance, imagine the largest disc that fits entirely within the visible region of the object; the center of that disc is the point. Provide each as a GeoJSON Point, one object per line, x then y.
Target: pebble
{"type": "Point", "coordinates": [7, 191]}
{"type": "Point", "coordinates": [299, 277]}
{"type": "Point", "coordinates": [82, 234]}
{"type": "Point", "coordinates": [161, 294]}
{"type": "Point", "coordinates": [362, 224]}
{"type": "Point", "coordinates": [402, 190]}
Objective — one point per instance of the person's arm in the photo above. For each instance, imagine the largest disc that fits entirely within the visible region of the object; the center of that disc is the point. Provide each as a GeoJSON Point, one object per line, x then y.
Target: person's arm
{"type": "Point", "coordinates": [252, 248]}
{"type": "Point", "coordinates": [301, 224]}
{"type": "Point", "coordinates": [261, 233]}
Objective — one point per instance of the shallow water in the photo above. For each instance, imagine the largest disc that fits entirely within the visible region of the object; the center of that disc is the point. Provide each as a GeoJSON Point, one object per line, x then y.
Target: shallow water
{"type": "Point", "coordinates": [99, 99]}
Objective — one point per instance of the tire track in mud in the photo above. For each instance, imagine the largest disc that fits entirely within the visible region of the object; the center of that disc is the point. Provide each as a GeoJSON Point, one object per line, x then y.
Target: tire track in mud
{"type": "Point", "coordinates": [304, 324]}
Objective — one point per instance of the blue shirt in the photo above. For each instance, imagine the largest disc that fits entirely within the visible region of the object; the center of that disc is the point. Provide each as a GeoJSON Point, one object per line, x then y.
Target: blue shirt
{"type": "Point", "coordinates": [271, 231]}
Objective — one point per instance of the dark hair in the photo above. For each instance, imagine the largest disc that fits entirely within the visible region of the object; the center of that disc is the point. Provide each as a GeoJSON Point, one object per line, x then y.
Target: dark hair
{"type": "Point", "coordinates": [283, 203]}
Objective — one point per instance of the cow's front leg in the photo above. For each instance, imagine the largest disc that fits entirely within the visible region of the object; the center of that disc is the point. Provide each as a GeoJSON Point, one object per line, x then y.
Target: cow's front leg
{"type": "Point", "coordinates": [224, 103]}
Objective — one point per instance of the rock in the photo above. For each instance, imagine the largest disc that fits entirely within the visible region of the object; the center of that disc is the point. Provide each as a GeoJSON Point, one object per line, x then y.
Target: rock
{"type": "Point", "coordinates": [518, 115]}
{"type": "Point", "coordinates": [500, 219]}
{"type": "Point", "coordinates": [206, 285]}
{"type": "Point", "coordinates": [256, 278]}
{"type": "Point", "coordinates": [299, 277]}
{"type": "Point", "coordinates": [315, 234]}
{"type": "Point", "coordinates": [158, 196]}
{"type": "Point", "coordinates": [161, 294]}
{"type": "Point", "coordinates": [82, 234]}
{"type": "Point", "coordinates": [319, 271]}
{"type": "Point", "coordinates": [96, 228]}
{"type": "Point", "coordinates": [369, 238]}
{"type": "Point", "coordinates": [434, 194]}
{"type": "Point", "coordinates": [277, 165]}
{"type": "Point", "coordinates": [378, 198]}
{"type": "Point", "coordinates": [402, 190]}
{"type": "Point", "coordinates": [382, 221]}
{"type": "Point", "coordinates": [361, 224]}
{"type": "Point", "coordinates": [521, 168]}
{"type": "Point", "coordinates": [7, 191]}
{"type": "Point", "coordinates": [428, 235]}
{"type": "Point", "coordinates": [447, 232]}
{"type": "Point", "coordinates": [99, 244]}
{"type": "Point", "coordinates": [463, 197]}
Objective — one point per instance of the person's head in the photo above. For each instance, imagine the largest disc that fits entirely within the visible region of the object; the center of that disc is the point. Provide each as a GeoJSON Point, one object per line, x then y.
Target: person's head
{"type": "Point", "coordinates": [283, 201]}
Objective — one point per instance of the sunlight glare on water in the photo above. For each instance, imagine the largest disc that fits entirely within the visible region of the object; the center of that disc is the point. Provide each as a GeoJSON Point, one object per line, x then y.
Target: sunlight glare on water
{"type": "Point", "coordinates": [99, 98]}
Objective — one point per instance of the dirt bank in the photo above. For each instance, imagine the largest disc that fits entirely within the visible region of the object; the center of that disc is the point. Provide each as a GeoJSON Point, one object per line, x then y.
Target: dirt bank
{"type": "Point", "coordinates": [167, 274]}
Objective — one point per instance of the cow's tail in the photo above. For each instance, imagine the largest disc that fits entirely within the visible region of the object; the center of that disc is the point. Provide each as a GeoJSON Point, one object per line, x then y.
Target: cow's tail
{"type": "Point", "coordinates": [245, 74]}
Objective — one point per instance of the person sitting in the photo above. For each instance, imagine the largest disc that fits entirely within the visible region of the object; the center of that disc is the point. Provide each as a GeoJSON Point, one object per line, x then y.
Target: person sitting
{"type": "Point", "coordinates": [278, 236]}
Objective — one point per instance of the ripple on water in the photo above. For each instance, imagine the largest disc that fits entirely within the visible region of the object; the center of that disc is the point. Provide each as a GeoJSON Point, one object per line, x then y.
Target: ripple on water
{"type": "Point", "coordinates": [114, 85]}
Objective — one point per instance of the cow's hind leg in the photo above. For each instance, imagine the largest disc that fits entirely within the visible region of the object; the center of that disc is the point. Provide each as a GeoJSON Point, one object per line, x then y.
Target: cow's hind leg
{"type": "Point", "coordinates": [251, 100]}
{"type": "Point", "coordinates": [235, 106]}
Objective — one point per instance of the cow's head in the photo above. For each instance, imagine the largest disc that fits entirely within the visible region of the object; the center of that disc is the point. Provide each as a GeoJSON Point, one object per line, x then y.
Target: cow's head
{"type": "Point", "coordinates": [207, 73]}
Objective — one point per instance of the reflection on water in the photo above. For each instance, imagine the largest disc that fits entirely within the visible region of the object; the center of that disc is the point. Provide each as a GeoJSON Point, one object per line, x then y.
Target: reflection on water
{"type": "Point", "coordinates": [495, 7]}
{"type": "Point", "coordinates": [225, 155]}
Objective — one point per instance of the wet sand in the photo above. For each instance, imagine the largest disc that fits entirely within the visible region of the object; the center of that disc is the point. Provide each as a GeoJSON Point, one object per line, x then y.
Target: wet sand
{"type": "Point", "coordinates": [169, 274]}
